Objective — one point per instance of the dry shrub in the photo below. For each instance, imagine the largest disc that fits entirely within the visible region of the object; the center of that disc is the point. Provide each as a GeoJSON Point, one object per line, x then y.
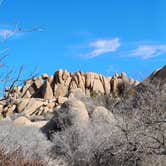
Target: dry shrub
{"type": "Point", "coordinates": [137, 139]}
{"type": "Point", "coordinates": [34, 145]}
{"type": "Point", "coordinates": [25, 146]}
{"type": "Point", "coordinates": [16, 158]}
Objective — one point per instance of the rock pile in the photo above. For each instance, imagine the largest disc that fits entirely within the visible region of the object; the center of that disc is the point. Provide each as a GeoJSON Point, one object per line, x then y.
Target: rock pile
{"type": "Point", "coordinates": [74, 113]}
{"type": "Point", "coordinates": [43, 94]}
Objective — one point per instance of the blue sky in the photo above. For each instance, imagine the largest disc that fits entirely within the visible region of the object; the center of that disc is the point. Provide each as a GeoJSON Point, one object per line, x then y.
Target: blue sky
{"type": "Point", "coordinates": [103, 36]}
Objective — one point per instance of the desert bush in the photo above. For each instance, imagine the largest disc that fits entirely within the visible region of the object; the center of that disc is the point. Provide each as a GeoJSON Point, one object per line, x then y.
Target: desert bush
{"type": "Point", "coordinates": [33, 143]}
{"type": "Point", "coordinates": [16, 158]}
{"type": "Point", "coordinates": [99, 100]}
{"type": "Point", "coordinates": [133, 135]}
{"type": "Point", "coordinates": [25, 146]}
{"type": "Point", "coordinates": [78, 144]}
{"type": "Point", "coordinates": [136, 139]}
{"type": "Point", "coordinates": [143, 124]}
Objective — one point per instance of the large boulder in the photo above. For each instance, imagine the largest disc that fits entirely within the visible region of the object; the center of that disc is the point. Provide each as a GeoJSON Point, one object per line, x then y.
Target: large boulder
{"type": "Point", "coordinates": [60, 90]}
{"type": "Point", "coordinates": [32, 106]}
{"type": "Point", "coordinates": [38, 82]}
{"type": "Point", "coordinates": [73, 83]}
{"type": "Point", "coordinates": [106, 85]}
{"type": "Point", "coordinates": [101, 114]}
{"type": "Point", "coordinates": [65, 75]}
{"type": "Point", "coordinates": [72, 112]}
{"type": "Point", "coordinates": [88, 77]}
{"type": "Point", "coordinates": [81, 80]}
{"type": "Point", "coordinates": [21, 104]}
{"type": "Point", "coordinates": [25, 89]}
{"type": "Point", "coordinates": [58, 77]}
{"type": "Point", "coordinates": [97, 86]}
{"type": "Point", "coordinates": [51, 80]}
{"type": "Point", "coordinates": [114, 84]}
{"type": "Point", "coordinates": [47, 91]}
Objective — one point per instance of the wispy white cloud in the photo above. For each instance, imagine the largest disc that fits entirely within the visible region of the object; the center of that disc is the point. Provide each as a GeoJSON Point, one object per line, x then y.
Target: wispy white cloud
{"type": "Point", "coordinates": [101, 47]}
{"type": "Point", "coordinates": [142, 49]}
{"type": "Point", "coordinates": [148, 51]}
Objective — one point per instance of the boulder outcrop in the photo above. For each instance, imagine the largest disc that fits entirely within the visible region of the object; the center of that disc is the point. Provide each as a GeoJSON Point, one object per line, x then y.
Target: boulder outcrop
{"type": "Point", "coordinates": [101, 114]}
{"type": "Point", "coordinates": [72, 112]}
{"type": "Point", "coordinates": [63, 82]}
{"type": "Point", "coordinates": [43, 94]}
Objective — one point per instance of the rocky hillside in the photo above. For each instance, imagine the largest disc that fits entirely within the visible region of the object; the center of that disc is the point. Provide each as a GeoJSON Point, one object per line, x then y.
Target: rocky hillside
{"type": "Point", "coordinates": [159, 74]}
{"type": "Point", "coordinates": [156, 81]}
{"type": "Point", "coordinates": [45, 93]}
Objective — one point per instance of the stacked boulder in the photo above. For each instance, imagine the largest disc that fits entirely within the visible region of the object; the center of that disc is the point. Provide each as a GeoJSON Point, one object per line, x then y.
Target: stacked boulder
{"type": "Point", "coordinates": [43, 94]}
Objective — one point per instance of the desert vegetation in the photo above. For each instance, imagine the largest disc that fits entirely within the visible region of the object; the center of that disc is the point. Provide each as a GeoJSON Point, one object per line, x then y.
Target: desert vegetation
{"type": "Point", "coordinates": [82, 119]}
{"type": "Point", "coordinates": [128, 130]}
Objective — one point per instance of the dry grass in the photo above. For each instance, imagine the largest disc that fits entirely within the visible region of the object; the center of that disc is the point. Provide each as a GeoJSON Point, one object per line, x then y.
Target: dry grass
{"type": "Point", "coordinates": [16, 158]}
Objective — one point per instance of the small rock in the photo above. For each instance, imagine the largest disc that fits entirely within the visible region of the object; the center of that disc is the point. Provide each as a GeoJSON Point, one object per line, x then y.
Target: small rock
{"type": "Point", "coordinates": [38, 124]}
{"type": "Point", "coordinates": [22, 121]}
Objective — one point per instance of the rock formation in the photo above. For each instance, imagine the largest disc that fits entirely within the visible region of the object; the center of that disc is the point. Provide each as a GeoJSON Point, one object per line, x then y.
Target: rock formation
{"type": "Point", "coordinates": [72, 112]}
{"type": "Point", "coordinates": [146, 93]}
{"type": "Point", "coordinates": [157, 81]}
{"type": "Point", "coordinates": [44, 94]}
